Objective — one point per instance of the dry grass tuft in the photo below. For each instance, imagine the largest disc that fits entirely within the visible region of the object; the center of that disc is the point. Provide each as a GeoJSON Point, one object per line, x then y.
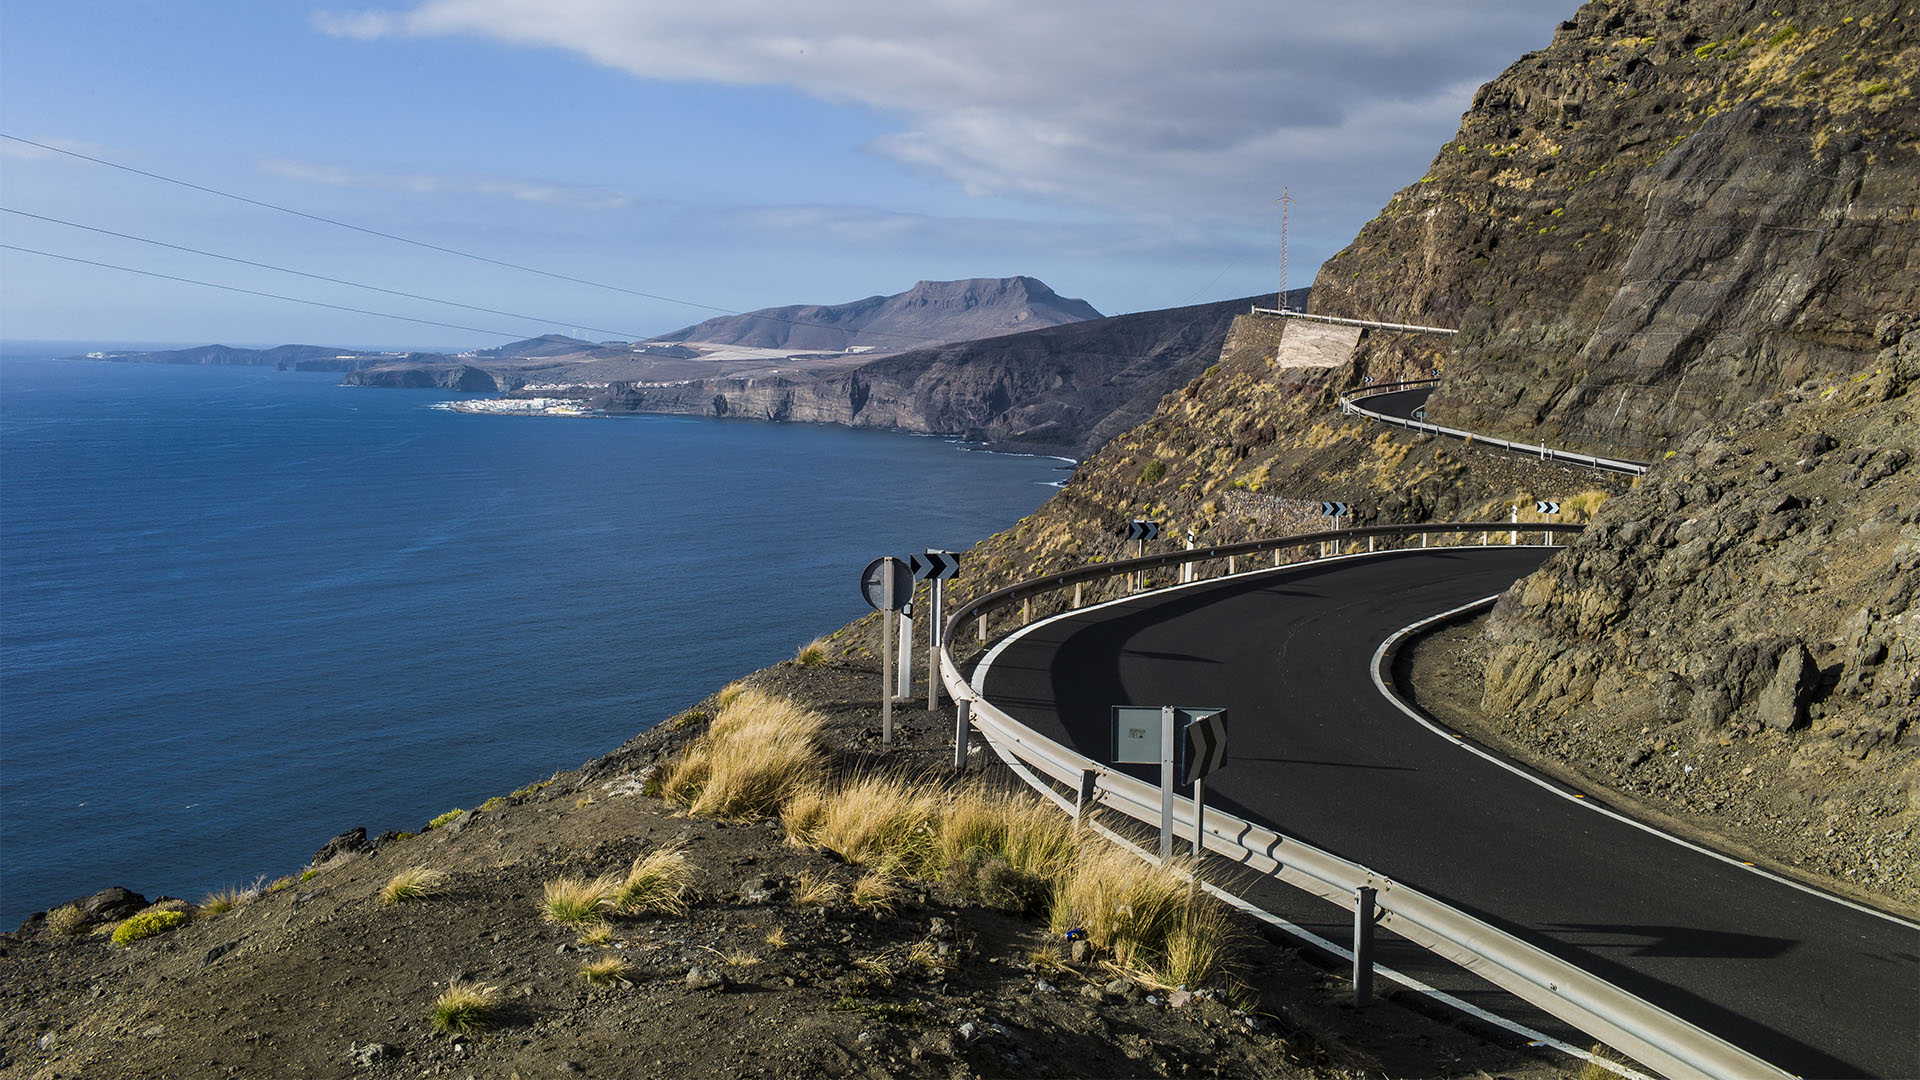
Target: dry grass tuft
{"type": "Point", "coordinates": [878, 893]}
{"type": "Point", "coordinates": [812, 654]}
{"type": "Point", "coordinates": [777, 938]}
{"type": "Point", "coordinates": [810, 891]}
{"type": "Point", "coordinates": [658, 882]}
{"type": "Point", "coordinates": [224, 899]}
{"type": "Point", "coordinates": [881, 821]}
{"type": "Point", "coordinates": [464, 1008]}
{"type": "Point", "coordinates": [413, 884]}
{"type": "Point", "coordinates": [595, 933]}
{"type": "Point", "coordinates": [66, 921]}
{"type": "Point", "coordinates": [1145, 915]}
{"type": "Point", "coordinates": [606, 970]}
{"type": "Point", "coordinates": [573, 901]}
{"type": "Point", "coordinates": [758, 751]}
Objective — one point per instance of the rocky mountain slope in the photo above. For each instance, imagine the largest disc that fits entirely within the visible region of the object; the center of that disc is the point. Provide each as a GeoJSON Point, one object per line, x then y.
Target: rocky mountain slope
{"type": "Point", "coordinates": [929, 313]}
{"type": "Point", "coordinates": [1063, 389]}
{"type": "Point", "coordinates": [1670, 212]}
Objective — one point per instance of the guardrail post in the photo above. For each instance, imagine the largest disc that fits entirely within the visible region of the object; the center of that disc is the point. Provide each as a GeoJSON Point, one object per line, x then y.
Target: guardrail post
{"type": "Point", "coordinates": [1084, 800]}
{"type": "Point", "coordinates": [981, 627]}
{"type": "Point", "coordinates": [1077, 586]}
{"type": "Point", "coordinates": [1026, 610]}
{"type": "Point", "coordinates": [1233, 564]}
{"type": "Point", "coordinates": [962, 710]}
{"type": "Point", "coordinates": [1423, 540]}
{"type": "Point", "coordinates": [1363, 946]}
{"type": "Point", "coordinates": [1369, 545]}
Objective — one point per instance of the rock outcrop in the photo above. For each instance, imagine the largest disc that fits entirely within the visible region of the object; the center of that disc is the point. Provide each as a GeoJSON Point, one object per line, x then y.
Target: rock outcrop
{"type": "Point", "coordinates": [1764, 578]}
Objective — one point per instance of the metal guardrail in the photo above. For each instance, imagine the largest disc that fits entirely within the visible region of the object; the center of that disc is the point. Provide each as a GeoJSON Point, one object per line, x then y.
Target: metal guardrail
{"type": "Point", "coordinates": [1544, 453]}
{"type": "Point", "coordinates": [1658, 1039]}
{"type": "Point", "coordinates": [1286, 313]}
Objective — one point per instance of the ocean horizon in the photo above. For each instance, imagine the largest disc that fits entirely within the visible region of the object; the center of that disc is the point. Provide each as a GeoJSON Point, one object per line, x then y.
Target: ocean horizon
{"type": "Point", "coordinates": [244, 610]}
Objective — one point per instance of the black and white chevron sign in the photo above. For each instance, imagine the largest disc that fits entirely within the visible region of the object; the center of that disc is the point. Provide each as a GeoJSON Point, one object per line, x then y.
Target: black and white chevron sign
{"type": "Point", "coordinates": [1543, 506]}
{"type": "Point", "coordinates": [1335, 509]}
{"type": "Point", "coordinates": [937, 565]}
{"type": "Point", "coordinates": [1206, 745]}
{"type": "Point", "coordinates": [1143, 530]}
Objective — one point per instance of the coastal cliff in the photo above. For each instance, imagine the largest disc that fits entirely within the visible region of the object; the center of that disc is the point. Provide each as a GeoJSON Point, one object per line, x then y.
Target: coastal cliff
{"type": "Point", "coordinates": [1063, 389]}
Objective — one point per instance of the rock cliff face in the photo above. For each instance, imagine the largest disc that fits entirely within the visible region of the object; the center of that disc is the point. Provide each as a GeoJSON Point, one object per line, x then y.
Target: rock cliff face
{"type": "Point", "coordinates": [1685, 233]}
{"type": "Point", "coordinates": [1063, 389]}
{"type": "Point", "coordinates": [423, 372]}
{"type": "Point", "coordinates": [929, 313]}
{"type": "Point", "coordinates": [1671, 212]}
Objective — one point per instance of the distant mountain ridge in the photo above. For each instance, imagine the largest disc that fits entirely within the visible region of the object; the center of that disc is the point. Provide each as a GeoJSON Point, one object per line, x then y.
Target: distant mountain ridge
{"type": "Point", "coordinates": [930, 313]}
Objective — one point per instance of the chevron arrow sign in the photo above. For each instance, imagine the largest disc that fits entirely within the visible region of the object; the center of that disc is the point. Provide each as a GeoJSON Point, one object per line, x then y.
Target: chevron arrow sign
{"type": "Point", "coordinates": [1206, 742]}
{"type": "Point", "coordinates": [1335, 509]}
{"type": "Point", "coordinates": [1143, 530]}
{"type": "Point", "coordinates": [937, 565]}
{"type": "Point", "coordinates": [1543, 506]}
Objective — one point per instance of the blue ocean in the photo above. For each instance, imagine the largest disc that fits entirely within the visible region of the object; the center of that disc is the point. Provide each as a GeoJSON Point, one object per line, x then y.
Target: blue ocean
{"type": "Point", "coordinates": [244, 610]}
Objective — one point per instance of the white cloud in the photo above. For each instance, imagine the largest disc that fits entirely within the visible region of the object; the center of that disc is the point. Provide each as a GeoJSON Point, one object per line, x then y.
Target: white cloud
{"type": "Point", "coordinates": [1137, 106]}
{"type": "Point", "coordinates": [579, 198]}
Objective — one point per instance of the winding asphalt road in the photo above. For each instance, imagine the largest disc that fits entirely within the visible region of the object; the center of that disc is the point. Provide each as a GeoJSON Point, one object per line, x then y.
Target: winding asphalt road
{"type": "Point", "coordinates": [1820, 988]}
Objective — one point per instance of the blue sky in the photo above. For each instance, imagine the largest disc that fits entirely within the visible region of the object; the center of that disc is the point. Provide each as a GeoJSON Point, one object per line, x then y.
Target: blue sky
{"type": "Point", "coordinates": [734, 154]}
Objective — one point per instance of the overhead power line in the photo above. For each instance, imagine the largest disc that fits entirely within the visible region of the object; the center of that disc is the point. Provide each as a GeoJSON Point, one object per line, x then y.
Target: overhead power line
{"type": "Point", "coordinates": [439, 248]}
{"type": "Point", "coordinates": [321, 277]}
{"type": "Point", "coordinates": [256, 292]}
{"type": "Point", "coordinates": [363, 229]}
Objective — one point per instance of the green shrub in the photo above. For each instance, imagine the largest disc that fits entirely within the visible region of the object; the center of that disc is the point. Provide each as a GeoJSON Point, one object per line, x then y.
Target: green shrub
{"type": "Point", "coordinates": [1155, 471]}
{"type": "Point", "coordinates": [148, 923]}
{"type": "Point", "coordinates": [444, 818]}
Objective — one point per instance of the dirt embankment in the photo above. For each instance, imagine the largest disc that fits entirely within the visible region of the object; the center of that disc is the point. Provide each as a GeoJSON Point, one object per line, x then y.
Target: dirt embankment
{"type": "Point", "coordinates": [318, 977]}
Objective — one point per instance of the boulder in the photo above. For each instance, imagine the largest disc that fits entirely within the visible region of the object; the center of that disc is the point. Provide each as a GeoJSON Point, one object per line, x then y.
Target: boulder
{"type": "Point", "coordinates": [1783, 702]}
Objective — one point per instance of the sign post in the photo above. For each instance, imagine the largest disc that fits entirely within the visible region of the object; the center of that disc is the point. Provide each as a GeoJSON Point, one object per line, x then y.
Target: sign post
{"type": "Point", "coordinates": [1546, 508]}
{"type": "Point", "coordinates": [1336, 511]}
{"type": "Point", "coordinates": [1206, 751]}
{"type": "Point", "coordinates": [936, 565]}
{"type": "Point", "coordinates": [1140, 530]}
{"type": "Point", "coordinates": [887, 586]}
{"type": "Point", "coordinates": [903, 672]}
{"type": "Point", "coordinates": [1143, 735]}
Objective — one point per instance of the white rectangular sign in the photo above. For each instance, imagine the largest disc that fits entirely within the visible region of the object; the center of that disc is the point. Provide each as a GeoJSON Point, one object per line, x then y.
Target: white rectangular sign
{"type": "Point", "coordinates": [1136, 735]}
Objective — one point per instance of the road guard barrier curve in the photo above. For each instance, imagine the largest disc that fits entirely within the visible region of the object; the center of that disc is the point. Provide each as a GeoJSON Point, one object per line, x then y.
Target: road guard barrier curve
{"type": "Point", "coordinates": [1658, 1039]}
{"type": "Point", "coordinates": [1348, 405]}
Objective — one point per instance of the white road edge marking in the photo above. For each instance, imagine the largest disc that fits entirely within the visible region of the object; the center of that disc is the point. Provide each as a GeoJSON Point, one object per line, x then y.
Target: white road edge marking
{"type": "Point", "coordinates": [1379, 657]}
{"type": "Point", "coordinates": [1302, 933]}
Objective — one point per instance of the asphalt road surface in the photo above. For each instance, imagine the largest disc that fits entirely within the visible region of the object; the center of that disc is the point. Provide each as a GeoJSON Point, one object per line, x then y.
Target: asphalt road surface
{"type": "Point", "coordinates": [1400, 403]}
{"type": "Point", "coordinates": [1818, 987]}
